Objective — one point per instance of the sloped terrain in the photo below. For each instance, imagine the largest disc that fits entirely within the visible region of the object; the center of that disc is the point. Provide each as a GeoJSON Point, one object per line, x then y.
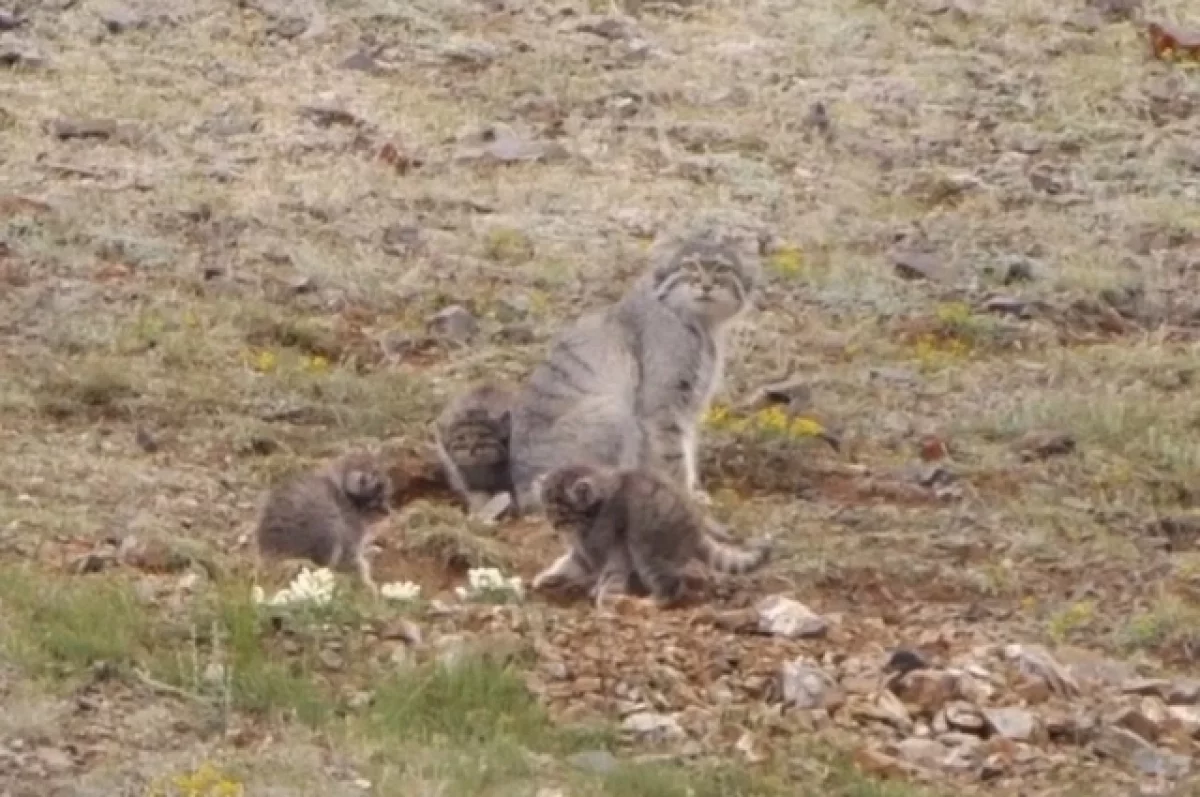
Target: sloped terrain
{"type": "Point", "coordinates": [239, 237]}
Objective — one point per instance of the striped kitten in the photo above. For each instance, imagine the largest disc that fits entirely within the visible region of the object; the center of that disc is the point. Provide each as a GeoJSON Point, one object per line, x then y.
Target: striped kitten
{"type": "Point", "coordinates": [472, 440]}
{"type": "Point", "coordinates": [621, 525]}
{"type": "Point", "coordinates": [625, 387]}
{"type": "Point", "coordinates": [326, 515]}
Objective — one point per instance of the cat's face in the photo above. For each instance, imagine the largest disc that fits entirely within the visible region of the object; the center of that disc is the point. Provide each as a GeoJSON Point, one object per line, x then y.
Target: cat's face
{"type": "Point", "coordinates": [366, 486]}
{"type": "Point", "coordinates": [478, 438]}
{"type": "Point", "coordinates": [706, 281]}
{"type": "Point", "coordinates": [572, 495]}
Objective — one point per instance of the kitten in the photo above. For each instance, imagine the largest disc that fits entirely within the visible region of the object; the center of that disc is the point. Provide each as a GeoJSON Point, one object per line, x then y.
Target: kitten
{"type": "Point", "coordinates": [625, 387]}
{"type": "Point", "coordinates": [627, 525]}
{"type": "Point", "coordinates": [472, 439]}
{"type": "Point", "coordinates": [326, 515]}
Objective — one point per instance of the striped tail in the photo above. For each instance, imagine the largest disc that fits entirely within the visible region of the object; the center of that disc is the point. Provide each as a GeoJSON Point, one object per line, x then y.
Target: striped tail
{"type": "Point", "coordinates": [724, 557]}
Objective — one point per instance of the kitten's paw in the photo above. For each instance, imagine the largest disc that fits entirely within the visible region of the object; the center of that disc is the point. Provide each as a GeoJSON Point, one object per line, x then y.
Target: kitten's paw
{"type": "Point", "coordinates": [701, 496]}
{"type": "Point", "coordinates": [488, 511]}
{"type": "Point", "coordinates": [548, 581]}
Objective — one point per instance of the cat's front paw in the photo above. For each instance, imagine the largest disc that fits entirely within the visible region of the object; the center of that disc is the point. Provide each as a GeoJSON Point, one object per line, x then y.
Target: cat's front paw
{"type": "Point", "coordinates": [701, 496]}
{"type": "Point", "coordinates": [548, 580]}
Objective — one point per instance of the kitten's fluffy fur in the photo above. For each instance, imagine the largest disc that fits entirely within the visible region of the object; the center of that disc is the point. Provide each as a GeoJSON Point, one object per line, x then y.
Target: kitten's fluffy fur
{"type": "Point", "coordinates": [472, 440]}
{"type": "Point", "coordinates": [625, 387]}
{"type": "Point", "coordinates": [621, 525]}
{"type": "Point", "coordinates": [325, 516]}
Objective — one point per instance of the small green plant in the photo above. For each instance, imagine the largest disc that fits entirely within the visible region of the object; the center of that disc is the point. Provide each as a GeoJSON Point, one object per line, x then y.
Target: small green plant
{"type": "Point", "coordinates": [508, 246]}
{"type": "Point", "coordinates": [1072, 618]}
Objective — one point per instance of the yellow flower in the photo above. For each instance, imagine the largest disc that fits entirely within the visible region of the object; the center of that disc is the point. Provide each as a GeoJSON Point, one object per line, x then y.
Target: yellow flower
{"type": "Point", "coordinates": [316, 364]}
{"type": "Point", "coordinates": [806, 427]}
{"type": "Point", "coordinates": [788, 261]}
{"type": "Point", "coordinates": [264, 361]}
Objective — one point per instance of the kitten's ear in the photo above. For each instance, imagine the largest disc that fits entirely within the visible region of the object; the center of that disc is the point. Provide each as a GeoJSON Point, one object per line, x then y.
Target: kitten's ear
{"type": "Point", "coordinates": [505, 421]}
{"type": "Point", "coordinates": [584, 493]}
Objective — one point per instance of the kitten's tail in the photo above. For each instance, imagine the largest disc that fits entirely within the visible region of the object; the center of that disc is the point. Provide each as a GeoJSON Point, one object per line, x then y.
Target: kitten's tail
{"type": "Point", "coordinates": [718, 552]}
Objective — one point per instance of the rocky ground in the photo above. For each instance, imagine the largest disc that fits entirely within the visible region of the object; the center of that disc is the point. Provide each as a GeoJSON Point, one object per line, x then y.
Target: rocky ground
{"type": "Point", "coordinates": [236, 238]}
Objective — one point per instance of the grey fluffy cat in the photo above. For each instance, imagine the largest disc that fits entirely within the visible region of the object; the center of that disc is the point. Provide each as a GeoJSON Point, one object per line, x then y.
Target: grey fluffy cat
{"type": "Point", "coordinates": [326, 515]}
{"type": "Point", "coordinates": [472, 441]}
{"type": "Point", "coordinates": [622, 525]}
{"type": "Point", "coordinates": [625, 387]}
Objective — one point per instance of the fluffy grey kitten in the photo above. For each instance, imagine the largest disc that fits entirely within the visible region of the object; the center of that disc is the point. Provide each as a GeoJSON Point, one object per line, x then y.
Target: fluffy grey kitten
{"type": "Point", "coordinates": [625, 387]}
{"type": "Point", "coordinates": [621, 525]}
{"type": "Point", "coordinates": [472, 440]}
{"type": "Point", "coordinates": [325, 516]}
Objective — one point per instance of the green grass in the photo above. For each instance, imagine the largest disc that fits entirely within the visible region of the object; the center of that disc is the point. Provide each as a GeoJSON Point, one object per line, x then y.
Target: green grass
{"type": "Point", "coordinates": [56, 627]}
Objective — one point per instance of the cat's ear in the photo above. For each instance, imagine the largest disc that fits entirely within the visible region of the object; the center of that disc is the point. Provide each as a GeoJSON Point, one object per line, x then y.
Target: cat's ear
{"type": "Point", "coordinates": [584, 493]}
{"type": "Point", "coordinates": [505, 421]}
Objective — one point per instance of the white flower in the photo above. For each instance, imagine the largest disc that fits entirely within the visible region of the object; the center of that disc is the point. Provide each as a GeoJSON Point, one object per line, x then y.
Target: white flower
{"type": "Point", "coordinates": [401, 591]}
{"type": "Point", "coordinates": [309, 586]}
{"type": "Point", "coordinates": [488, 582]}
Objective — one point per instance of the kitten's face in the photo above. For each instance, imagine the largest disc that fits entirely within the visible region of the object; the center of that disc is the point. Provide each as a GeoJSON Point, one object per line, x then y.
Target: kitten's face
{"type": "Point", "coordinates": [571, 496]}
{"type": "Point", "coordinates": [706, 281]}
{"type": "Point", "coordinates": [366, 486]}
{"type": "Point", "coordinates": [477, 438]}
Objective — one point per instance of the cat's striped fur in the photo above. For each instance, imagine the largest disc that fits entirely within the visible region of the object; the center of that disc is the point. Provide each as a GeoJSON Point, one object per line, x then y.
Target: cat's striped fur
{"type": "Point", "coordinates": [472, 441]}
{"type": "Point", "coordinates": [625, 387]}
{"type": "Point", "coordinates": [325, 516]}
{"type": "Point", "coordinates": [621, 525]}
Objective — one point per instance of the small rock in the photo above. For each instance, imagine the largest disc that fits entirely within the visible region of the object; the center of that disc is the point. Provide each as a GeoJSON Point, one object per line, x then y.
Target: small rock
{"type": "Point", "coordinates": [1044, 445]}
{"type": "Point", "coordinates": [361, 61]}
{"type": "Point", "coordinates": [17, 52]}
{"type": "Point", "coordinates": [782, 616]}
{"type": "Point", "coordinates": [403, 629]}
{"type": "Point", "coordinates": [1188, 718]}
{"type": "Point", "coordinates": [1018, 271]}
{"type": "Point", "coordinates": [794, 394]}
{"type": "Point", "coordinates": [917, 265]}
{"type": "Point", "coordinates": [1075, 728]}
{"type": "Point", "coordinates": [1126, 746]}
{"type": "Point", "coordinates": [500, 144]}
{"type": "Point", "coordinates": [737, 620]}
{"type": "Point", "coordinates": [928, 690]}
{"type": "Point", "coordinates": [145, 440]}
{"type": "Point", "coordinates": [1184, 693]}
{"type": "Point", "coordinates": [301, 284]}
{"type": "Point", "coordinates": [1135, 720]}
{"type": "Point", "coordinates": [600, 762]}
{"type": "Point", "coordinates": [1114, 10]}
{"type": "Point", "coordinates": [1012, 723]}
{"type": "Point", "coordinates": [454, 323]}
{"type": "Point", "coordinates": [885, 708]}
{"type": "Point", "coordinates": [402, 240]}
{"type": "Point", "coordinates": [516, 334]}
{"type": "Point", "coordinates": [118, 19]}
{"type": "Point", "coordinates": [1036, 661]}
{"type": "Point", "coordinates": [923, 752]}
{"type": "Point", "coordinates": [875, 762]}
{"type": "Point", "coordinates": [613, 27]}
{"type": "Point", "coordinates": [471, 52]}
{"type": "Point", "coordinates": [329, 115]}
{"type": "Point", "coordinates": [963, 716]}
{"type": "Point", "coordinates": [54, 760]}
{"type": "Point", "coordinates": [1007, 305]}
{"type": "Point", "coordinates": [805, 686]}
{"type": "Point", "coordinates": [331, 660]}
{"type": "Point", "coordinates": [1158, 687]}
{"type": "Point", "coordinates": [652, 727]}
